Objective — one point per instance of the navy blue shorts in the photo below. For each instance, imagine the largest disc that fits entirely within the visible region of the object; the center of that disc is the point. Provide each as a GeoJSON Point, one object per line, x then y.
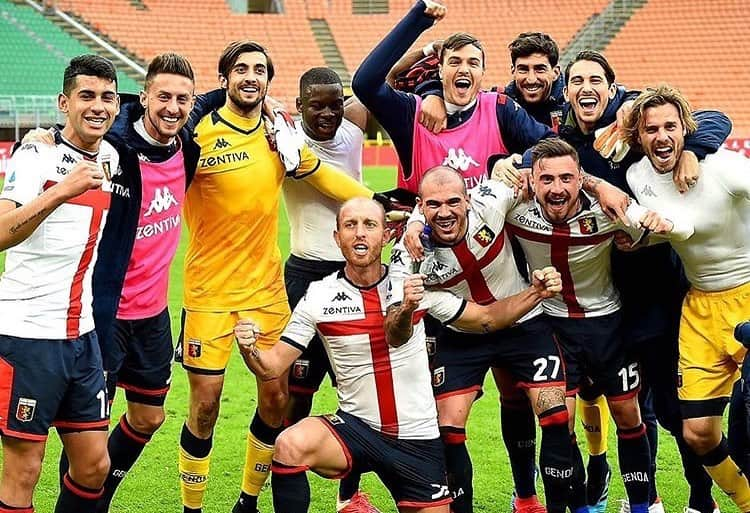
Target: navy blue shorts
{"type": "Point", "coordinates": [528, 351]}
{"type": "Point", "coordinates": [140, 359]}
{"type": "Point", "coordinates": [47, 383]}
{"type": "Point", "coordinates": [594, 350]}
{"type": "Point", "coordinates": [412, 470]}
{"type": "Point", "coordinates": [307, 372]}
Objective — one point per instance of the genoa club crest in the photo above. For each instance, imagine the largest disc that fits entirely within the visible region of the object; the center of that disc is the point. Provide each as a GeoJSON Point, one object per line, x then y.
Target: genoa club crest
{"type": "Point", "coordinates": [301, 369]}
{"type": "Point", "coordinates": [438, 376]}
{"type": "Point", "coordinates": [431, 346]}
{"type": "Point", "coordinates": [25, 409]}
{"type": "Point", "coordinates": [588, 225]}
{"type": "Point", "coordinates": [484, 236]}
{"type": "Point", "coordinates": [194, 348]}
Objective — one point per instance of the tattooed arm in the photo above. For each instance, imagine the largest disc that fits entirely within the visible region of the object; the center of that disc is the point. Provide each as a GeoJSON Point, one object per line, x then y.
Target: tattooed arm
{"type": "Point", "coordinates": [18, 222]}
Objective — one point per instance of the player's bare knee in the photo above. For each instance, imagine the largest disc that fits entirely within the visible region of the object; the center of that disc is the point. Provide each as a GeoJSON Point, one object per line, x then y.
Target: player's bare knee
{"type": "Point", "coordinates": [273, 403]}
{"type": "Point", "coordinates": [92, 472]}
{"type": "Point", "coordinates": [700, 436]}
{"type": "Point", "coordinates": [148, 421]}
{"type": "Point", "coordinates": [205, 413]}
{"type": "Point", "coordinates": [291, 447]}
{"type": "Point", "coordinates": [625, 413]}
{"type": "Point", "coordinates": [25, 473]}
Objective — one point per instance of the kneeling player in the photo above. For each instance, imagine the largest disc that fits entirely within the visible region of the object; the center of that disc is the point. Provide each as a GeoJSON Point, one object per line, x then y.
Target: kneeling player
{"type": "Point", "coordinates": [387, 418]}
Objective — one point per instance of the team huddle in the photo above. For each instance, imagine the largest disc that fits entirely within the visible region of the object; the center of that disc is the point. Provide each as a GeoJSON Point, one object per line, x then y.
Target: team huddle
{"type": "Point", "coordinates": [585, 243]}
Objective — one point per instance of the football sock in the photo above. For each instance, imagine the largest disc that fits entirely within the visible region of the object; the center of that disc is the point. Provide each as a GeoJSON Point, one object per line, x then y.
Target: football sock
{"type": "Point", "coordinates": [594, 415]}
{"type": "Point", "coordinates": [554, 458]}
{"type": "Point", "coordinates": [4, 508]}
{"type": "Point", "coordinates": [700, 482]}
{"type": "Point", "coordinates": [75, 498]}
{"type": "Point", "coordinates": [519, 435]}
{"type": "Point", "coordinates": [459, 470]}
{"type": "Point", "coordinates": [258, 455]}
{"type": "Point", "coordinates": [727, 475]}
{"type": "Point", "coordinates": [194, 462]}
{"type": "Point", "coordinates": [348, 486]}
{"type": "Point", "coordinates": [577, 496]}
{"type": "Point", "coordinates": [290, 489]}
{"type": "Point", "coordinates": [635, 456]}
{"type": "Point", "coordinates": [124, 446]}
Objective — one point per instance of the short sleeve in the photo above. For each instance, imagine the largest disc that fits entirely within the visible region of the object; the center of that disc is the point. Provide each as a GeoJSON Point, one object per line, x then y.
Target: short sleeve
{"type": "Point", "coordinates": [443, 305]}
{"type": "Point", "coordinates": [301, 328]}
{"type": "Point", "coordinates": [23, 180]}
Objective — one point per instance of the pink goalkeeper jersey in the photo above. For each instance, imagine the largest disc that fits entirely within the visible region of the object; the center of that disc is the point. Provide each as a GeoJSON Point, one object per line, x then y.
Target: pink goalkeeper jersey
{"type": "Point", "coordinates": [466, 148]}
{"type": "Point", "coordinates": [144, 293]}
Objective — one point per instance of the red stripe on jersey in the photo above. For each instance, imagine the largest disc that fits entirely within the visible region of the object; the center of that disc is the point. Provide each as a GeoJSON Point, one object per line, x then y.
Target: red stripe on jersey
{"type": "Point", "coordinates": [99, 201]}
{"type": "Point", "coordinates": [373, 326]}
{"type": "Point", "coordinates": [559, 256]}
{"type": "Point", "coordinates": [472, 269]}
{"type": "Point", "coordinates": [6, 392]}
{"type": "Point", "coordinates": [560, 241]}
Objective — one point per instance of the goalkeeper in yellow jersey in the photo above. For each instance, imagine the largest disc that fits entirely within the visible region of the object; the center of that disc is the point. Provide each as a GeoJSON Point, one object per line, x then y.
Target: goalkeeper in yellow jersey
{"type": "Point", "coordinates": [233, 264]}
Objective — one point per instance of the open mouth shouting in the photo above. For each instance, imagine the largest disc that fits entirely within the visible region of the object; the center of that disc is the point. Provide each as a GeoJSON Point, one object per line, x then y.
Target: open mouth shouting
{"type": "Point", "coordinates": [361, 249]}
{"type": "Point", "coordinates": [587, 105]}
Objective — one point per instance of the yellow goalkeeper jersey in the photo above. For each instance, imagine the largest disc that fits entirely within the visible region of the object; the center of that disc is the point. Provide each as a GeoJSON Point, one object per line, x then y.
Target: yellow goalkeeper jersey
{"type": "Point", "coordinates": [233, 261]}
{"type": "Point", "coordinates": [231, 210]}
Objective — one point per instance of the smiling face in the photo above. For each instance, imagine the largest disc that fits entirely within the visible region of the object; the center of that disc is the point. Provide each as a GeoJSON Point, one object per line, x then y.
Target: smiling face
{"type": "Point", "coordinates": [167, 101]}
{"type": "Point", "coordinates": [90, 106]}
{"type": "Point", "coordinates": [534, 76]}
{"type": "Point", "coordinates": [461, 72]}
{"type": "Point", "coordinates": [361, 234]}
{"type": "Point", "coordinates": [588, 93]}
{"type": "Point", "coordinates": [557, 182]}
{"type": "Point", "coordinates": [662, 136]}
{"type": "Point", "coordinates": [247, 83]}
{"type": "Point", "coordinates": [322, 110]}
{"type": "Point", "coordinates": [445, 205]}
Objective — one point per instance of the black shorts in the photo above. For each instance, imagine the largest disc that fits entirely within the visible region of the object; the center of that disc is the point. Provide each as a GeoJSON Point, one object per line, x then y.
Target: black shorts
{"type": "Point", "coordinates": [594, 349]}
{"type": "Point", "coordinates": [308, 371]}
{"type": "Point", "coordinates": [140, 359]}
{"type": "Point", "coordinates": [528, 351]}
{"type": "Point", "coordinates": [412, 470]}
{"type": "Point", "coordinates": [47, 383]}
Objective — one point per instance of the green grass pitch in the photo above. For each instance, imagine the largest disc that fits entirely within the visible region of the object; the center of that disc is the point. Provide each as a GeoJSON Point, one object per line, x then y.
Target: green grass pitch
{"type": "Point", "coordinates": [152, 486]}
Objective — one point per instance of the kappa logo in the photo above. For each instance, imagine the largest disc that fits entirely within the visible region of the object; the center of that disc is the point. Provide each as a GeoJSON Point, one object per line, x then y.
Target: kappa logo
{"type": "Point", "coordinates": [301, 369]}
{"type": "Point", "coordinates": [68, 159]}
{"type": "Point", "coordinates": [588, 225]}
{"type": "Point", "coordinates": [396, 257]}
{"type": "Point", "coordinates": [459, 160]}
{"type": "Point", "coordinates": [648, 191]}
{"type": "Point", "coordinates": [163, 199]}
{"type": "Point", "coordinates": [221, 143]}
{"type": "Point", "coordinates": [341, 296]}
{"type": "Point", "coordinates": [484, 236]}
{"type": "Point", "coordinates": [25, 409]}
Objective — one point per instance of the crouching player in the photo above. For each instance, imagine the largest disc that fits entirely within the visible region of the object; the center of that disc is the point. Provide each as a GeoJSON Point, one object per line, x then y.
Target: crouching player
{"type": "Point", "coordinates": [387, 420]}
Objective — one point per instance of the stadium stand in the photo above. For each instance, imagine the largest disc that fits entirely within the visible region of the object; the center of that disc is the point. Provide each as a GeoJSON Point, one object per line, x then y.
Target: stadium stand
{"type": "Point", "coordinates": [697, 46]}
{"type": "Point", "coordinates": [201, 30]}
{"type": "Point", "coordinates": [677, 41]}
{"type": "Point", "coordinates": [33, 47]}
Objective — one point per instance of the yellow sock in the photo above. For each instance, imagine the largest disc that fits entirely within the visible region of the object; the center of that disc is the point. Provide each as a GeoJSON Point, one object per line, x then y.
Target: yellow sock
{"type": "Point", "coordinates": [731, 479]}
{"type": "Point", "coordinates": [193, 478]}
{"type": "Point", "coordinates": [594, 416]}
{"type": "Point", "coordinates": [258, 458]}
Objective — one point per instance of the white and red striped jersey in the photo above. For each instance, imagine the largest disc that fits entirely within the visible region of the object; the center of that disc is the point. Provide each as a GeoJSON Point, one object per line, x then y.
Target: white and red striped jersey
{"type": "Point", "coordinates": [581, 251]}
{"type": "Point", "coordinates": [45, 291]}
{"type": "Point", "coordinates": [481, 267]}
{"type": "Point", "coordinates": [388, 388]}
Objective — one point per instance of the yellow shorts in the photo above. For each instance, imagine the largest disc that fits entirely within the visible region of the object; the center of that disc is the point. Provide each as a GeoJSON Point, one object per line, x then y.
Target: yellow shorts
{"type": "Point", "coordinates": [207, 338]}
{"type": "Point", "coordinates": [710, 357]}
